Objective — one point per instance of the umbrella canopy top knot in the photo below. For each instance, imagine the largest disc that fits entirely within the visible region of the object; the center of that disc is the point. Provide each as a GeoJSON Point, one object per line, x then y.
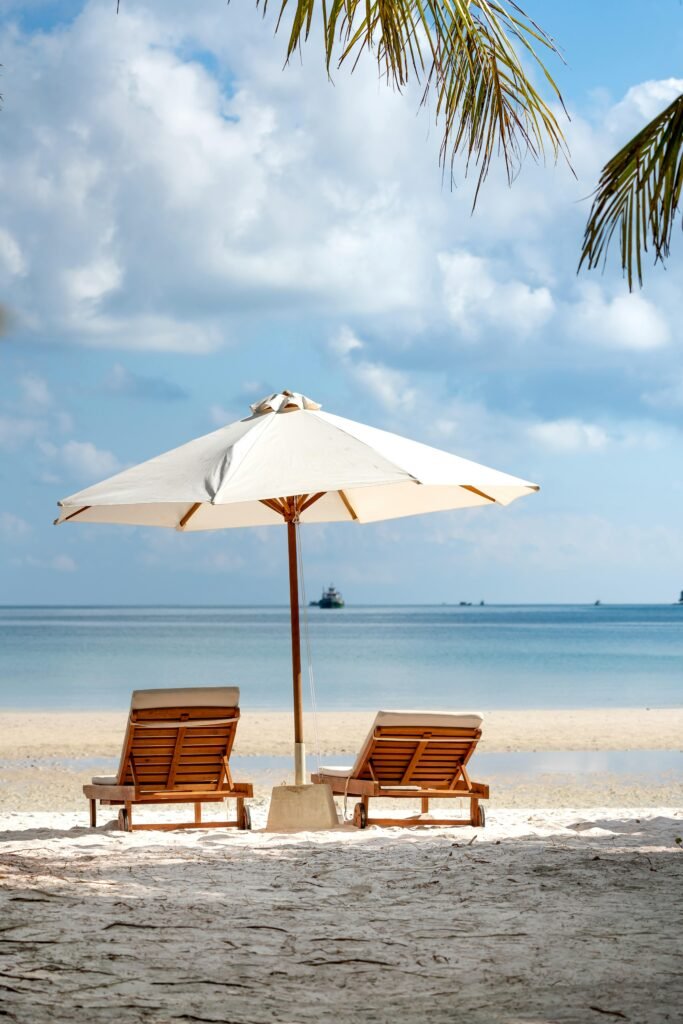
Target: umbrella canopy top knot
{"type": "Point", "coordinates": [285, 401]}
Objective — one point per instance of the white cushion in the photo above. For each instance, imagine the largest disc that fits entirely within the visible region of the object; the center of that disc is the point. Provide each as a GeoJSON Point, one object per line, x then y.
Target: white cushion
{"type": "Point", "coordinates": [103, 780]}
{"type": "Point", "coordinates": [186, 697]}
{"type": "Point", "coordinates": [455, 719]}
{"type": "Point", "coordinates": [337, 771]}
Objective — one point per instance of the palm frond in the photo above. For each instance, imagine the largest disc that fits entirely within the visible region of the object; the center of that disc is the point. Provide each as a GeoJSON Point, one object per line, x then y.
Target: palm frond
{"type": "Point", "coordinates": [638, 196]}
{"type": "Point", "coordinates": [468, 54]}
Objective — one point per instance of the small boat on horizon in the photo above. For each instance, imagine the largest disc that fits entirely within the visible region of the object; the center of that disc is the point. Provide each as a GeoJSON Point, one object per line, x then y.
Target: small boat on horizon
{"type": "Point", "coordinates": [331, 598]}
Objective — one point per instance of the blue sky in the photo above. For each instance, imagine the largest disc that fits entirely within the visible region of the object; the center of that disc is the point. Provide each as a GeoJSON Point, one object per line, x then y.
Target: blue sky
{"type": "Point", "coordinates": [185, 226]}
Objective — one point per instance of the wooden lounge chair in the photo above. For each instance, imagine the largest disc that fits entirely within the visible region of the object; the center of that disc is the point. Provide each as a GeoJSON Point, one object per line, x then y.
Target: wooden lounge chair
{"type": "Point", "coordinates": [409, 754]}
{"type": "Point", "coordinates": [176, 750]}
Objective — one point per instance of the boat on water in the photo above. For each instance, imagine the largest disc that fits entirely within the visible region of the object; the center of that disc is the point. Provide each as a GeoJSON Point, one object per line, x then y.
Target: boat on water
{"type": "Point", "coordinates": [680, 600]}
{"type": "Point", "coordinates": [331, 598]}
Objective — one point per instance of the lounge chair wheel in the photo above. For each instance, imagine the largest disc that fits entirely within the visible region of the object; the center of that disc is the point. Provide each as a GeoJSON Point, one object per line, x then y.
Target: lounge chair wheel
{"type": "Point", "coordinates": [123, 820]}
{"type": "Point", "coordinates": [360, 816]}
{"type": "Point", "coordinates": [245, 820]}
{"type": "Point", "coordinates": [481, 817]}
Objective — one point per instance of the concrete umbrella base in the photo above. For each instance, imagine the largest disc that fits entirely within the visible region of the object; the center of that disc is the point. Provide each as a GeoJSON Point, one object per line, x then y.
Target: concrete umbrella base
{"type": "Point", "coordinates": [302, 809]}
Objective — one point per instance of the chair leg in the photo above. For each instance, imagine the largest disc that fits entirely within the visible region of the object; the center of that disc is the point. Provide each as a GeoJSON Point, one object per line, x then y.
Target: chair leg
{"type": "Point", "coordinates": [474, 811]}
{"type": "Point", "coordinates": [197, 814]}
{"type": "Point", "coordinates": [240, 809]}
{"type": "Point", "coordinates": [129, 815]}
{"type": "Point", "coordinates": [93, 813]}
{"type": "Point", "coordinates": [425, 804]}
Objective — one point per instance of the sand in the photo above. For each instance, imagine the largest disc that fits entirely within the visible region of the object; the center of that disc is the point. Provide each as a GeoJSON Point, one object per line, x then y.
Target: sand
{"type": "Point", "coordinates": [565, 912]}
{"type": "Point", "coordinates": [98, 733]}
{"type": "Point", "coordinates": [566, 916]}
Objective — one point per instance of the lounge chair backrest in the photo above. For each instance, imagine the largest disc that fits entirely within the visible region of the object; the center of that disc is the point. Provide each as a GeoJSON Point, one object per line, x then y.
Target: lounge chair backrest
{"type": "Point", "coordinates": [418, 748]}
{"type": "Point", "coordinates": [179, 739]}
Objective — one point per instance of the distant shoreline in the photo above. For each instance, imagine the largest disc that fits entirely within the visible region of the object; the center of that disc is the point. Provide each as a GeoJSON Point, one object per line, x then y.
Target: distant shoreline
{"type": "Point", "coordinates": [283, 606]}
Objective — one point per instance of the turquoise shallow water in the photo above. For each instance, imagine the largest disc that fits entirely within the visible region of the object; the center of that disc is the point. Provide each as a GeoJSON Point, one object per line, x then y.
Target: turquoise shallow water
{"type": "Point", "coordinates": [443, 656]}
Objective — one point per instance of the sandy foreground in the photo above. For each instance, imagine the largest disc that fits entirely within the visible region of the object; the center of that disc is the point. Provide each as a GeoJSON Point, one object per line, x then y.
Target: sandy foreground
{"type": "Point", "coordinates": [544, 916]}
{"type": "Point", "coordinates": [565, 912]}
{"type": "Point", "coordinates": [46, 757]}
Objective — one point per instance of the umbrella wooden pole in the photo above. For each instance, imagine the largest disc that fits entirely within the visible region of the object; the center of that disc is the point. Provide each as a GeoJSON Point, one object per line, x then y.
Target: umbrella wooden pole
{"type": "Point", "coordinates": [299, 748]}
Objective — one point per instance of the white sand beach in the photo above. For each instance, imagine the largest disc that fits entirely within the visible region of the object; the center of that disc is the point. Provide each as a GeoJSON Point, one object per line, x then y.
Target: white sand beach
{"type": "Point", "coordinates": [559, 911]}
{"type": "Point", "coordinates": [566, 916]}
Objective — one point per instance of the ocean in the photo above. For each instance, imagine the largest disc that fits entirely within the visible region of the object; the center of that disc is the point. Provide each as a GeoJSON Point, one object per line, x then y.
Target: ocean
{"type": "Point", "coordinates": [515, 656]}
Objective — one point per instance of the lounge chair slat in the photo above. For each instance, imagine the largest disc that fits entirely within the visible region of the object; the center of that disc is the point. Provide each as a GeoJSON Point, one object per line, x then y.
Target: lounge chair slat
{"type": "Point", "coordinates": [209, 711]}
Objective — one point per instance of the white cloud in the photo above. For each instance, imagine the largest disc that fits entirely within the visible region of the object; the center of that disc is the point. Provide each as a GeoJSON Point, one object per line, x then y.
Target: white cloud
{"type": "Point", "coordinates": [81, 459]}
{"type": "Point", "coordinates": [627, 321]}
{"type": "Point", "coordinates": [206, 553]}
{"type": "Point", "coordinates": [344, 342]}
{"type": "Point", "coordinates": [568, 435]}
{"type": "Point", "coordinates": [477, 300]}
{"type": "Point", "coordinates": [17, 430]}
{"type": "Point", "coordinates": [565, 541]}
{"type": "Point", "coordinates": [216, 201]}
{"type": "Point", "coordinates": [11, 255]}
{"type": "Point", "coordinates": [13, 527]}
{"type": "Point", "coordinates": [389, 387]}
{"type": "Point", "coordinates": [670, 396]}
{"type": "Point", "coordinates": [286, 195]}
{"type": "Point", "coordinates": [641, 103]}
{"type": "Point", "coordinates": [35, 392]}
{"type": "Point", "coordinates": [144, 332]}
{"type": "Point", "coordinates": [90, 284]}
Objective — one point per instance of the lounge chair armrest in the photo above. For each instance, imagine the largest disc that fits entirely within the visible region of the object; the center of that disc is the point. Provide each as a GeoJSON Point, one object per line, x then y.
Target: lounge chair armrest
{"type": "Point", "coordinates": [345, 786]}
{"type": "Point", "coordinates": [243, 788]}
{"type": "Point", "coordinates": [109, 792]}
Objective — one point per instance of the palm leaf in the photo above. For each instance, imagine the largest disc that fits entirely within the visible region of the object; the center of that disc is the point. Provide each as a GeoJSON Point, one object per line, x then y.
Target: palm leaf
{"type": "Point", "coordinates": [468, 54]}
{"type": "Point", "coordinates": [638, 196]}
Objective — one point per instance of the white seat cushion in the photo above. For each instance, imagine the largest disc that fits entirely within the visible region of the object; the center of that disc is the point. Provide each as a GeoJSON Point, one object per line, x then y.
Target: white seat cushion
{"type": "Point", "coordinates": [454, 719]}
{"type": "Point", "coordinates": [337, 771]}
{"type": "Point", "coordinates": [186, 697]}
{"type": "Point", "coordinates": [104, 780]}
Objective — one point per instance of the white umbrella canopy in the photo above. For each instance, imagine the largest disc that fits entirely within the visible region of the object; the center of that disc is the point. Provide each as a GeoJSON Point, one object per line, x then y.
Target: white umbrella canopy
{"type": "Point", "coordinates": [291, 462]}
{"type": "Point", "coordinates": [289, 447]}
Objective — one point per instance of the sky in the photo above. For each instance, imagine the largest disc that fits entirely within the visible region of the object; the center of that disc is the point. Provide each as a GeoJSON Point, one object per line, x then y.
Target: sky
{"type": "Point", "coordinates": [186, 226]}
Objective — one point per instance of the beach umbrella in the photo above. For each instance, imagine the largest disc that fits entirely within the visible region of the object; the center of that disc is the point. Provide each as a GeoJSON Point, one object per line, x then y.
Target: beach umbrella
{"type": "Point", "coordinates": [291, 462]}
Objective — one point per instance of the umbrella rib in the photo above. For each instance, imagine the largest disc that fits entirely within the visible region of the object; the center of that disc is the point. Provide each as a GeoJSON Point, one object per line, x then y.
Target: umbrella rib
{"type": "Point", "coordinates": [188, 515]}
{"type": "Point", "coordinates": [349, 507]}
{"type": "Point", "coordinates": [475, 490]}
{"type": "Point", "coordinates": [311, 501]}
{"type": "Point", "coordinates": [274, 504]}
{"type": "Point", "coordinates": [72, 516]}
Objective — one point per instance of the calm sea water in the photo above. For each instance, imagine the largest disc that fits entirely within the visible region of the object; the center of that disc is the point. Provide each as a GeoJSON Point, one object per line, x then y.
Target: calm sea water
{"type": "Point", "coordinates": [490, 657]}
